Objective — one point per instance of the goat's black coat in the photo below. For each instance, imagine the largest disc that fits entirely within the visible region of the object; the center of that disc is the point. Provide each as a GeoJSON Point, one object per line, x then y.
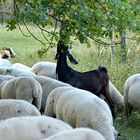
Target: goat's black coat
{"type": "Point", "coordinates": [95, 81]}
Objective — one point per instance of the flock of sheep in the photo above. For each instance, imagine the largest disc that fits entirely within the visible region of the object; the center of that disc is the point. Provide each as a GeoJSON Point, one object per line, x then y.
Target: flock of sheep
{"type": "Point", "coordinates": [34, 105]}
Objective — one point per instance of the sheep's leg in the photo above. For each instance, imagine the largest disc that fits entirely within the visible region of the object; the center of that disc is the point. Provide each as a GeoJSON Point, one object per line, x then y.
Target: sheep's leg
{"type": "Point", "coordinates": [127, 106]}
{"type": "Point", "coordinates": [130, 110]}
{"type": "Point", "coordinates": [127, 111]}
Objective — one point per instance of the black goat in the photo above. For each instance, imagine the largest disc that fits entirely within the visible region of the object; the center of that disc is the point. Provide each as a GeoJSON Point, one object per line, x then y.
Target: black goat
{"type": "Point", "coordinates": [95, 81]}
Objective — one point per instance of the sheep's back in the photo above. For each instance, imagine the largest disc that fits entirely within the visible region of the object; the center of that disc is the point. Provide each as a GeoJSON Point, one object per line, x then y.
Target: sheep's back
{"type": "Point", "coordinates": [77, 134]}
{"type": "Point", "coordinates": [14, 108]}
{"type": "Point", "coordinates": [31, 127]}
{"type": "Point", "coordinates": [45, 68]}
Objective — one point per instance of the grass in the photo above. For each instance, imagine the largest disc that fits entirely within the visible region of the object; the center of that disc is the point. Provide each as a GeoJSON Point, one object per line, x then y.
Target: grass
{"type": "Point", "coordinates": [88, 58]}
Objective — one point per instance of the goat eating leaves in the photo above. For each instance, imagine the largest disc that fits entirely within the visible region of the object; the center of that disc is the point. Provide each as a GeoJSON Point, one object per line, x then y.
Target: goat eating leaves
{"type": "Point", "coordinates": [95, 81]}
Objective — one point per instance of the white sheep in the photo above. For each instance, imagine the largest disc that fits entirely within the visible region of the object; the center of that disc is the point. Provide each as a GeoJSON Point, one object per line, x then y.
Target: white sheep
{"type": "Point", "coordinates": [131, 95]}
{"type": "Point", "coordinates": [77, 134]}
{"type": "Point", "coordinates": [48, 84]}
{"type": "Point", "coordinates": [15, 72]}
{"type": "Point", "coordinates": [25, 88]}
{"type": "Point", "coordinates": [80, 108]}
{"type": "Point", "coordinates": [15, 108]}
{"type": "Point", "coordinates": [21, 67]}
{"type": "Point", "coordinates": [44, 68]}
{"type": "Point", "coordinates": [31, 128]}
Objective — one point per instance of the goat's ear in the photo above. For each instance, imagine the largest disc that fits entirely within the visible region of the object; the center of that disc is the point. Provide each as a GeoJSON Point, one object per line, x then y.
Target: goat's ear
{"type": "Point", "coordinates": [72, 60]}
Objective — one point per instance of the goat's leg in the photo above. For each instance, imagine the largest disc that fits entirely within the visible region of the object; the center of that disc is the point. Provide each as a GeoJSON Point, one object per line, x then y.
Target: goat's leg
{"type": "Point", "coordinates": [107, 96]}
{"type": "Point", "coordinates": [112, 107]}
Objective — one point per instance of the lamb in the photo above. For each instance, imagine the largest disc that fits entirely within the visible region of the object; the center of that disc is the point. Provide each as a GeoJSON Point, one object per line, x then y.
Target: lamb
{"type": "Point", "coordinates": [31, 128]}
{"type": "Point", "coordinates": [131, 95]}
{"type": "Point", "coordinates": [48, 84]}
{"type": "Point", "coordinates": [77, 134]}
{"type": "Point", "coordinates": [44, 68]}
{"type": "Point", "coordinates": [15, 72]}
{"type": "Point", "coordinates": [25, 88]}
{"type": "Point", "coordinates": [14, 108]}
{"type": "Point", "coordinates": [80, 108]}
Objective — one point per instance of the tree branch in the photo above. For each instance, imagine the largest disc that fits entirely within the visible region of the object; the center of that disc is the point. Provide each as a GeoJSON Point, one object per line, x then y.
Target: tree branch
{"type": "Point", "coordinates": [22, 31]}
{"type": "Point", "coordinates": [32, 33]}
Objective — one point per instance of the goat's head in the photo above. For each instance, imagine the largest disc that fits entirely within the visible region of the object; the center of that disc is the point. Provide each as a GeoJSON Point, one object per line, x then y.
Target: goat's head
{"type": "Point", "coordinates": [7, 52]}
{"type": "Point", "coordinates": [63, 49]}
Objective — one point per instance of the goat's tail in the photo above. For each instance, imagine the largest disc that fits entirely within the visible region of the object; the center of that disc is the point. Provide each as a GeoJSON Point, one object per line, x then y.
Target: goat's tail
{"type": "Point", "coordinates": [102, 69]}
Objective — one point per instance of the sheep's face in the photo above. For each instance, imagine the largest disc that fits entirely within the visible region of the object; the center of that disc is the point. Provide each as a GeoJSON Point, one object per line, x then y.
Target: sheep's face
{"type": "Point", "coordinates": [63, 49]}
{"type": "Point", "coordinates": [7, 52]}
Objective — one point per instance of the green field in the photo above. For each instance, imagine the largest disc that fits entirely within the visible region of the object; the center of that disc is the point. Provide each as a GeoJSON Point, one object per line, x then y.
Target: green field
{"type": "Point", "coordinates": [88, 58]}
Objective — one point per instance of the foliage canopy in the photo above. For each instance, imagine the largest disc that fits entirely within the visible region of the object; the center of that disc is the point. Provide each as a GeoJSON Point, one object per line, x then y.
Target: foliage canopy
{"type": "Point", "coordinates": [82, 19]}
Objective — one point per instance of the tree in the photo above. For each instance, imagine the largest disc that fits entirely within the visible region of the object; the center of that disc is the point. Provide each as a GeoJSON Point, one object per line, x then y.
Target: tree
{"type": "Point", "coordinates": [82, 19]}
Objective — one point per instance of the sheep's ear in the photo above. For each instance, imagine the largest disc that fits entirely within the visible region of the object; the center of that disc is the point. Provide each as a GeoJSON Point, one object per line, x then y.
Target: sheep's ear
{"type": "Point", "coordinates": [72, 60]}
{"type": "Point", "coordinates": [13, 54]}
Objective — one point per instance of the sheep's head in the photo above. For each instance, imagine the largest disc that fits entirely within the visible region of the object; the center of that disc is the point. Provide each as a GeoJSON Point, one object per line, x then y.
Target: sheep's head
{"type": "Point", "coordinates": [7, 52]}
{"type": "Point", "coordinates": [63, 49]}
